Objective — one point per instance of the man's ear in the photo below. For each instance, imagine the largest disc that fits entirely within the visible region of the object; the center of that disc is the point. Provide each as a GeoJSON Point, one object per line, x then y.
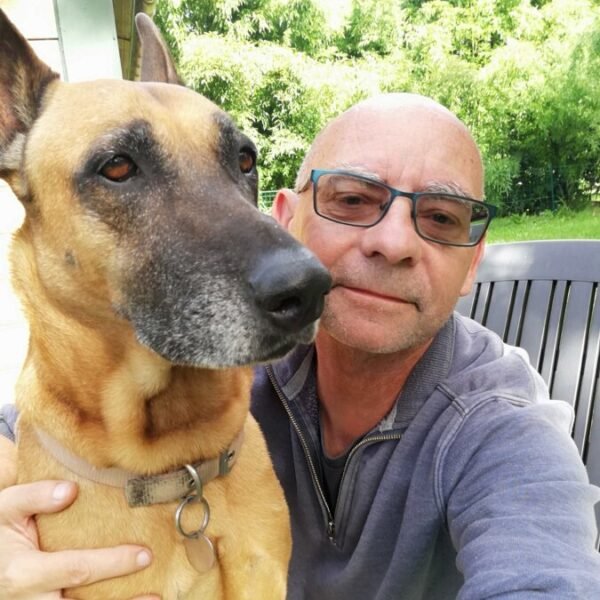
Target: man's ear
{"type": "Point", "coordinates": [472, 272]}
{"type": "Point", "coordinates": [284, 207]}
{"type": "Point", "coordinates": [156, 62]}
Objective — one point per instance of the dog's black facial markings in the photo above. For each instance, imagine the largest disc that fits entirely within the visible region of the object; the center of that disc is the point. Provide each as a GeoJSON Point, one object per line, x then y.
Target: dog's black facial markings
{"type": "Point", "coordinates": [237, 155]}
{"type": "Point", "coordinates": [134, 140]}
{"type": "Point", "coordinates": [123, 169]}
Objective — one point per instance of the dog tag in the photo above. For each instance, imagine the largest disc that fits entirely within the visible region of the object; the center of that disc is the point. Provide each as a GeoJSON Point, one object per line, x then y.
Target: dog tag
{"type": "Point", "coordinates": [200, 553]}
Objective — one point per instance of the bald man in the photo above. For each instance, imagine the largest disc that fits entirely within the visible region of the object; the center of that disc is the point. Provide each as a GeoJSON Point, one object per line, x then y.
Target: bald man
{"type": "Point", "coordinates": [420, 456]}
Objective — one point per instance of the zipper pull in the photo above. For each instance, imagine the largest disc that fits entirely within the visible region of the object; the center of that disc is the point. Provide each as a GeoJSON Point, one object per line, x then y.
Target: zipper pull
{"type": "Point", "coordinates": [331, 531]}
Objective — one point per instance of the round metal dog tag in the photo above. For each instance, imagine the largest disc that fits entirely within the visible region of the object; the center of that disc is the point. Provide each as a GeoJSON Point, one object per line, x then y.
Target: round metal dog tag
{"type": "Point", "coordinates": [200, 552]}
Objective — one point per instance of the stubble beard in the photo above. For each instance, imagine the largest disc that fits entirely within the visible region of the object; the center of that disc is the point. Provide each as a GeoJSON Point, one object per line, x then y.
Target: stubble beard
{"type": "Point", "coordinates": [381, 337]}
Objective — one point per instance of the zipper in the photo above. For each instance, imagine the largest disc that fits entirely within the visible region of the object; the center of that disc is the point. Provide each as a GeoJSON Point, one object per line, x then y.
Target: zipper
{"type": "Point", "coordinates": [330, 523]}
{"type": "Point", "coordinates": [329, 515]}
{"type": "Point", "coordinates": [372, 439]}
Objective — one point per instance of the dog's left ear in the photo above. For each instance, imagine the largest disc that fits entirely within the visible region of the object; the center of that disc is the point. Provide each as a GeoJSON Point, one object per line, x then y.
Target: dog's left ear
{"type": "Point", "coordinates": [157, 63]}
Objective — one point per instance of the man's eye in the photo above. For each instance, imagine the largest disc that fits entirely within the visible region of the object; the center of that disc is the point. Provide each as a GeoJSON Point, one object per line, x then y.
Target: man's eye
{"type": "Point", "coordinates": [119, 168]}
{"type": "Point", "coordinates": [352, 200]}
{"type": "Point", "coordinates": [440, 218]}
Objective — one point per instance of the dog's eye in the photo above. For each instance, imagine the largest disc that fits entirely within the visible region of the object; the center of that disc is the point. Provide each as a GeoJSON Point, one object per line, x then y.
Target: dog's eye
{"type": "Point", "coordinates": [247, 159]}
{"type": "Point", "coordinates": [119, 168]}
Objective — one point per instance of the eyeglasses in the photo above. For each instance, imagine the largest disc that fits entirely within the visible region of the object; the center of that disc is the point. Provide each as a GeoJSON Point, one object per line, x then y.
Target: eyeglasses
{"type": "Point", "coordinates": [356, 200]}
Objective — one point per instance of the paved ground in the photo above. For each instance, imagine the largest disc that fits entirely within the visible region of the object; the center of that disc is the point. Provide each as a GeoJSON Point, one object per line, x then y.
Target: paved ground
{"type": "Point", "coordinates": [13, 329]}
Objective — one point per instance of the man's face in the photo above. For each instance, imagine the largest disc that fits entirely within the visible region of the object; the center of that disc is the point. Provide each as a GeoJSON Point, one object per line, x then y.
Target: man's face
{"type": "Point", "coordinates": [392, 290]}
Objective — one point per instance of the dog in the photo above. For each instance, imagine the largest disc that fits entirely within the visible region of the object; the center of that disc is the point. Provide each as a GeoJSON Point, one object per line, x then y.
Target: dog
{"type": "Point", "coordinates": [151, 284]}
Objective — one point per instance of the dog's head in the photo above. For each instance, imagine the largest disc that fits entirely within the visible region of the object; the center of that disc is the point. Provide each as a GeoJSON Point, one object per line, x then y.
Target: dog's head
{"type": "Point", "coordinates": [140, 204]}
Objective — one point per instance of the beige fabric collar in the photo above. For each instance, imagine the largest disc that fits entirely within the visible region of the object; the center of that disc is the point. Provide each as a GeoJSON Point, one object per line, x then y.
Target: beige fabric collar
{"type": "Point", "coordinates": [143, 490]}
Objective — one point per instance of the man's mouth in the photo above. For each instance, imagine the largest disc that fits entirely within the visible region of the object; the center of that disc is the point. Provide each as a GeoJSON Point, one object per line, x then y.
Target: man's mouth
{"type": "Point", "coordinates": [369, 293]}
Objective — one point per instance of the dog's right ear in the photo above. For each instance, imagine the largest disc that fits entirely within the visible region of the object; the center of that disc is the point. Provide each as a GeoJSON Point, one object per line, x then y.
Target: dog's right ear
{"type": "Point", "coordinates": [23, 80]}
{"type": "Point", "coordinates": [157, 63]}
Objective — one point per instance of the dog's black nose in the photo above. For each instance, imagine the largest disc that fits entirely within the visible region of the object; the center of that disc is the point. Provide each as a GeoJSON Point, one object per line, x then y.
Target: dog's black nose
{"type": "Point", "coordinates": [289, 287]}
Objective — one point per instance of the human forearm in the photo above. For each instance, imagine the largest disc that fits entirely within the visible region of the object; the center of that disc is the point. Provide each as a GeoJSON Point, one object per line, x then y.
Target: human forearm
{"type": "Point", "coordinates": [520, 509]}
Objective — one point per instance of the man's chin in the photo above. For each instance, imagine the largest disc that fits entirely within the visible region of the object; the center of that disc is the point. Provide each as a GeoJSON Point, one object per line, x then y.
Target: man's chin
{"type": "Point", "coordinates": [378, 337]}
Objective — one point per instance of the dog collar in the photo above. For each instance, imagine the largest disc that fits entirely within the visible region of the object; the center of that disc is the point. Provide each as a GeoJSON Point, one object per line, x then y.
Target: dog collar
{"type": "Point", "coordinates": [145, 490]}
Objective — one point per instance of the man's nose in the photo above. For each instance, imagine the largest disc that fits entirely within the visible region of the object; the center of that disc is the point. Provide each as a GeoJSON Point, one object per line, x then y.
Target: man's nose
{"type": "Point", "coordinates": [394, 237]}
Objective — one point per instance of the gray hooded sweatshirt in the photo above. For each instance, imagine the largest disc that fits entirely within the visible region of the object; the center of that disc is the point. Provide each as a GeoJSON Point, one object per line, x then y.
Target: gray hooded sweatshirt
{"type": "Point", "coordinates": [470, 488]}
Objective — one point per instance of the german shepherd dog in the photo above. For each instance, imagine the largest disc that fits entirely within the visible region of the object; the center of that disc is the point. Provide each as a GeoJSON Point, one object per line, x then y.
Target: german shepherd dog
{"type": "Point", "coordinates": [151, 283]}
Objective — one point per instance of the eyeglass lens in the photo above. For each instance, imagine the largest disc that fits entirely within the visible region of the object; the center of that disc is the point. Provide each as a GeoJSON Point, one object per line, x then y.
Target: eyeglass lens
{"type": "Point", "coordinates": [438, 217]}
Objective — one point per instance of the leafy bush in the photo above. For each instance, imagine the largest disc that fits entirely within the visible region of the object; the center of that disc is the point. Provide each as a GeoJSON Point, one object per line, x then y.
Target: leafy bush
{"type": "Point", "coordinates": [522, 74]}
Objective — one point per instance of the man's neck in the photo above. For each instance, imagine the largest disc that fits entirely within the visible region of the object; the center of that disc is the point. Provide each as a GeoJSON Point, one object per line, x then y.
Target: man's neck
{"type": "Point", "coordinates": [357, 389]}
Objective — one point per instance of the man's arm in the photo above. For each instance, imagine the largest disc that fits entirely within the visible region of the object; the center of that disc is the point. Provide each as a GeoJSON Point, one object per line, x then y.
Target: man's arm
{"type": "Point", "coordinates": [520, 509]}
{"type": "Point", "coordinates": [26, 573]}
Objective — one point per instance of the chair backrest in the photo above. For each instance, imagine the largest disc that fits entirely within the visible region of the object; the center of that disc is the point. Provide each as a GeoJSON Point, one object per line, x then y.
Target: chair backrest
{"type": "Point", "coordinates": [545, 297]}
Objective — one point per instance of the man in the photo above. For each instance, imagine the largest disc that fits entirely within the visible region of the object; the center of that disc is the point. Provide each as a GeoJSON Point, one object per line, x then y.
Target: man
{"type": "Point", "coordinates": [419, 455]}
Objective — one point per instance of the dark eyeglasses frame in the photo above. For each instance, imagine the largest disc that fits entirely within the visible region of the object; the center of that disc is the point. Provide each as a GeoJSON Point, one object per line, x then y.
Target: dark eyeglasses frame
{"type": "Point", "coordinates": [315, 174]}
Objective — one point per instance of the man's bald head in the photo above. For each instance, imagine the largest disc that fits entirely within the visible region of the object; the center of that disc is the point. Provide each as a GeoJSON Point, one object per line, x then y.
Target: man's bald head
{"type": "Point", "coordinates": [402, 112]}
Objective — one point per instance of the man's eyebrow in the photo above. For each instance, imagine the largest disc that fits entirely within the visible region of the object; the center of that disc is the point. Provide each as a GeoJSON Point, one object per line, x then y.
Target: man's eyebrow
{"type": "Point", "coordinates": [444, 187]}
{"type": "Point", "coordinates": [433, 186]}
{"type": "Point", "coordinates": [302, 186]}
{"type": "Point", "coordinates": [357, 170]}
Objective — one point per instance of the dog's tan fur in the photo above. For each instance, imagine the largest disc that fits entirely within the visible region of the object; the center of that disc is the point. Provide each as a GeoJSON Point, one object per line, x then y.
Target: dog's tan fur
{"type": "Point", "coordinates": [89, 381]}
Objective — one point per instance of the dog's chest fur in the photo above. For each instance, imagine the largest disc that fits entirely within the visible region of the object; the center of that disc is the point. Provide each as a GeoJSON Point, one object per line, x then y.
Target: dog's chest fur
{"type": "Point", "coordinates": [248, 553]}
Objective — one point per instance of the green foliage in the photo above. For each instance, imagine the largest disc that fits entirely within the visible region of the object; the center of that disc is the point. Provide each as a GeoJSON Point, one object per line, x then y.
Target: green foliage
{"type": "Point", "coordinates": [371, 27]}
{"type": "Point", "coordinates": [299, 24]}
{"type": "Point", "coordinates": [279, 97]}
{"type": "Point", "coordinates": [242, 17]}
{"type": "Point", "coordinates": [213, 68]}
{"type": "Point", "coordinates": [542, 118]}
{"type": "Point", "coordinates": [166, 20]}
{"type": "Point", "coordinates": [522, 74]}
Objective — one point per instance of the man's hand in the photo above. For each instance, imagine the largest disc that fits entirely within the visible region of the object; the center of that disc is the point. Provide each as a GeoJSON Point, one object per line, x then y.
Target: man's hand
{"type": "Point", "coordinates": [28, 573]}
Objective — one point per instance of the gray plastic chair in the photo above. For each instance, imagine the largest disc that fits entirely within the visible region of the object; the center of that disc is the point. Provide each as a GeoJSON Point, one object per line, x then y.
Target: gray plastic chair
{"type": "Point", "coordinates": [545, 297]}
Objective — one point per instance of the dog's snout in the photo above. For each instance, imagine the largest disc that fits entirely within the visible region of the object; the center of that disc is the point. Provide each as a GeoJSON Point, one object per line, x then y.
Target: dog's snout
{"type": "Point", "coordinates": [289, 288]}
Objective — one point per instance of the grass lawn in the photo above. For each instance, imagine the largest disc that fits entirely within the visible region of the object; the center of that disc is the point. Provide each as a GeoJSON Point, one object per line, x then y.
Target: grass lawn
{"type": "Point", "coordinates": [563, 224]}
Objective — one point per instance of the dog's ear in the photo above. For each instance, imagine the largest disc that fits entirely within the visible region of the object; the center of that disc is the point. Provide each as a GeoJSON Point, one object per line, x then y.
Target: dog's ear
{"type": "Point", "coordinates": [157, 63]}
{"type": "Point", "coordinates": [23, 80]}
